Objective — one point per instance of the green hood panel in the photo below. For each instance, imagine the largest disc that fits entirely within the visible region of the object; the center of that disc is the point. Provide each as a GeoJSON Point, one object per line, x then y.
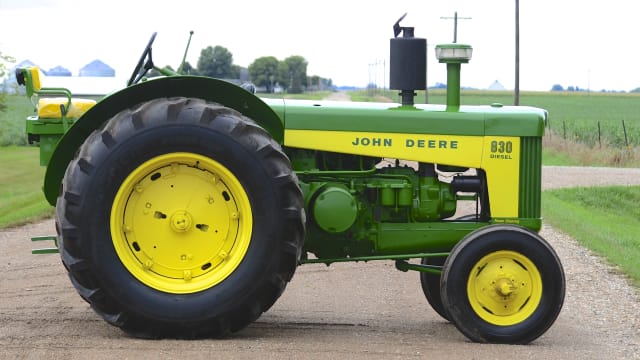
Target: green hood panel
{"type": "Point", "coordinates": [420, 119]}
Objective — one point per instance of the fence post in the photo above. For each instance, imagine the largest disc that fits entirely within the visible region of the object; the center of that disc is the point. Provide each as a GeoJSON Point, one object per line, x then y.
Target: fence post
{"type": "Point", "coordinates": [564, 130]}
{"type": "Point", "coordinates": [626, 139]}
{"type": "Point", "coordinates": [599, 135]}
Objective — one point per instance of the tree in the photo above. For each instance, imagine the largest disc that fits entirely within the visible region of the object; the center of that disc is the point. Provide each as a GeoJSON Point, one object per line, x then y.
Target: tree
{"type": "Point", "coordinates": [264, 72]}
{"type": "Point", "coordinates": [318, 83]}
{"type": "Point", "coordinates": [217, 62]}
{"type": "Point", "coordinates": [4, 59]}
{"type": "Point", "coordinates": [636, 90]}
{"type": "Point", "coordinates": [297, 71]}
{"type": "Point", "coordinates": [557, 87]}
{"type": "Point", "coordinates": [283, 75]}
{"type": "Point", "coordinates": [188, 69]}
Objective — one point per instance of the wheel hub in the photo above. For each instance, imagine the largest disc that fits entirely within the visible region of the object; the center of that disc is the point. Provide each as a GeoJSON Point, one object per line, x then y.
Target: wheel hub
{"type": "Point", "coordinates": [505, 287]}
{"type": "Point", "coordinates": [181, 221]}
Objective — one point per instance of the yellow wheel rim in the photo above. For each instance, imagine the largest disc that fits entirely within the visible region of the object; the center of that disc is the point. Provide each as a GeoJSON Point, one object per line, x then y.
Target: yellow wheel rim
{"type": "Point", "coordinates": [181, 223]}
{"type": "Point", "coordinates": [504, 288]}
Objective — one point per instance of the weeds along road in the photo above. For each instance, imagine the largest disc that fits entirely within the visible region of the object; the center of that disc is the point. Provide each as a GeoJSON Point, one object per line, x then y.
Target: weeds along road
{"type": "Point", "coordinates": [362, 310]}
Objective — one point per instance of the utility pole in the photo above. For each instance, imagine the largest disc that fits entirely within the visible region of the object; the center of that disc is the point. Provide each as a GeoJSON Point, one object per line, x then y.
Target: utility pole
{"type": "Point", "coordinates": [516, 92]}
{"type": "Point", "coordinates": [455, 24]}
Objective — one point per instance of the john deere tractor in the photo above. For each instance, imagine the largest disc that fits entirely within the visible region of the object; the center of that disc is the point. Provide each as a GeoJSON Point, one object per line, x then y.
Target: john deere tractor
{"type": "Point", "coordinates": [184, 204]}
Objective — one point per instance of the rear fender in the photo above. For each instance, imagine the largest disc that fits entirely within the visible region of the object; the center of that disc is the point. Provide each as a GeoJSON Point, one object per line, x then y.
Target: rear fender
{"type": "Point", "coordinates": [219, 91]}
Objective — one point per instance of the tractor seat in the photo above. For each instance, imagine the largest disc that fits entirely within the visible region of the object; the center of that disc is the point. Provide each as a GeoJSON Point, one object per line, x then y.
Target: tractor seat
{"type": "Point", "coordinates": [50, 107]}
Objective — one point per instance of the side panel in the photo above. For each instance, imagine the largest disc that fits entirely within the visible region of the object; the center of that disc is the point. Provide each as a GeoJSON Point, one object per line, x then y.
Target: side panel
{"type": "Point", "coordinates": [499, 156]}
{"type": "Point", "coordinates": [445, 149]}
{"type": "Point", "coordinates": [501, 161]}
{"type": "Point", "coordinates": [210, 89]}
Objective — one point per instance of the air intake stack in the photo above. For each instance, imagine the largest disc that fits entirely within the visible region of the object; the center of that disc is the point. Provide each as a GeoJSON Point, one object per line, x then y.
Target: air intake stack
{"type": "Point", "coordinates": [454, 55]}
{"type": "Point", "coordinates": [408, 62]}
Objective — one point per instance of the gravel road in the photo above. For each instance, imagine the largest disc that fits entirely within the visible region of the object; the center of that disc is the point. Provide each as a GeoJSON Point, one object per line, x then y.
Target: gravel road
{"type": "Point", "coordinates": [346, 310]}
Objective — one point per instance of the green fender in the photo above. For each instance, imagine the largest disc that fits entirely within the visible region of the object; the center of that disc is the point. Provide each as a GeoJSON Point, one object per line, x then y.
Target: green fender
{"type": "Point", "coordinates": [219, 91]}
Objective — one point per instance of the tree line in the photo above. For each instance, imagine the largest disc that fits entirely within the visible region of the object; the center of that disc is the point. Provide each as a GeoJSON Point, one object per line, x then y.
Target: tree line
{"type": "Point", "coordinates": [266, 72]}
{"type": "Point", "coordinates": [558, 87]}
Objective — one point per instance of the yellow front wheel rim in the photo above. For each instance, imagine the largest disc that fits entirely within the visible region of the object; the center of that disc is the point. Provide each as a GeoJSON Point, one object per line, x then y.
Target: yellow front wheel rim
{"type": "Point", "coordinates": [504, 288]}
{"type": "Point", "coordinates": [181, 223]}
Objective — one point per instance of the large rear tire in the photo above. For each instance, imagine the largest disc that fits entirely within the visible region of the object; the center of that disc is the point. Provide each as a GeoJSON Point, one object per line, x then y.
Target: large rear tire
{"type": "Point", "coordinates": [503, 284]}
{"type": "Point", "coordinates": [180, 218]}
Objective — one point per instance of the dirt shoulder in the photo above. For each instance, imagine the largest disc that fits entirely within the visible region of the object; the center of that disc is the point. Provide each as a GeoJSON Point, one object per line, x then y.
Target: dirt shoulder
{"type": "Point", "coordinates": [359, 310]}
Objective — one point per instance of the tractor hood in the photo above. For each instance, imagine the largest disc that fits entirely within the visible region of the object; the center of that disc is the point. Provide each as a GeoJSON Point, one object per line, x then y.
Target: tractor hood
{"type": "Point", "coordinates": [495, 120]}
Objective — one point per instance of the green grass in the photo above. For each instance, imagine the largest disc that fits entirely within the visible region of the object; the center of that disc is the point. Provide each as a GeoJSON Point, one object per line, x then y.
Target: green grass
{"type": "Point", "coordinates": [603, 219]}
{"type": "Point", "coordinates": [556, 158]}
{"type": "Point", "coordinates": [12, 125]}
{"type": "Point", "coordinates": [21, 200]}
{"type": "Point", "coordinates": [373, 96]}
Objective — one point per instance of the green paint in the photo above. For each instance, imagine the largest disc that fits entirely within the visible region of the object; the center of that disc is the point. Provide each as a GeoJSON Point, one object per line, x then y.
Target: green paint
{"type": "Point", "coordinates": [420, 119]}
{"type": "Point", "coordinates": [530, 177]}
{"type": "Point", "coordinates": [355, 211]}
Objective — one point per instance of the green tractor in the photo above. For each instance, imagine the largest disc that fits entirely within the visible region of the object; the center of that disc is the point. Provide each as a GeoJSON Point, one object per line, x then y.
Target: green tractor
{"type": "Point", "coordinates": [185, 204]}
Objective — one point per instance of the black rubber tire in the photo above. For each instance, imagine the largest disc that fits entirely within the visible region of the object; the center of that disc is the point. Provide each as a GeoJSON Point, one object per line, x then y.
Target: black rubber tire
{"type": "Point", "coordinates": [493, 239]}
{"type": "Point", "coordinates": [431, 286]}
{"type": "Point", "coordinates": [146, 131]}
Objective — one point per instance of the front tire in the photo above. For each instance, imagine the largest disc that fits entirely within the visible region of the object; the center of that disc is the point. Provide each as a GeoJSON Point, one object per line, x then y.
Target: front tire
{"type": "Point", "coordinates": [180, 218]}
{"type": "Point", "coordinates": [503, 284]}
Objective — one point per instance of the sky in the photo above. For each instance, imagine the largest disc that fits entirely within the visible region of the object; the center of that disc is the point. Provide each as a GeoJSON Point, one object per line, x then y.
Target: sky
{"type": "Point", "coordinates": [591, 45]}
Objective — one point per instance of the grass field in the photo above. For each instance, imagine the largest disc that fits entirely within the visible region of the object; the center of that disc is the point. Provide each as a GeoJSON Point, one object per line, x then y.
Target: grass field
{"type": "Point", "coordinates": [604, 219]}
{"type": "Point", "coordinates": [12, 126]}
{"type": "Point", "coordinates": [21, 200]}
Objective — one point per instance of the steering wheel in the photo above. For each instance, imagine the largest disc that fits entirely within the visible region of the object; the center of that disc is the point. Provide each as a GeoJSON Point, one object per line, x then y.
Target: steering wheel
{"type": "Point", "coordinates": [143, 66]}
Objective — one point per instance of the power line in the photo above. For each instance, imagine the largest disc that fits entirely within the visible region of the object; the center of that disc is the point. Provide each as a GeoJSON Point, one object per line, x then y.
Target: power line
{"type": "Point", "coordinates": [455, 24]}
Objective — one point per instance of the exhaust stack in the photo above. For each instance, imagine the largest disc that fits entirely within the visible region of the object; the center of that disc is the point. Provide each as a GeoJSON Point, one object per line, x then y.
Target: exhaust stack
{"type": "Point", "coordinates": [408, 63]}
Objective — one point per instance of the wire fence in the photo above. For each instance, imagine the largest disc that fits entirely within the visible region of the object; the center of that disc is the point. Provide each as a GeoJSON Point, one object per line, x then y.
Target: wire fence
{"type": "Point", "coordinates": [600, 133]}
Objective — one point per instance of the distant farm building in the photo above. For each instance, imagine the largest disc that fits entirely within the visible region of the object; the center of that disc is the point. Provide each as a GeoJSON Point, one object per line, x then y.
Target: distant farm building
{"type": "Point", "coordinates": [97, 68]}
{"type": "Point", "coordinates": [496, 86]}
{"type": "Point", "coordinates": [58, 71]}
{"type": "Point", "coordinates": [96, 78]}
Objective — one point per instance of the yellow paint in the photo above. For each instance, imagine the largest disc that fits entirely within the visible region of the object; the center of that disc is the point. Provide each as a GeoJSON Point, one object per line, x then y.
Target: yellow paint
{"type": "Point", "coordinates": [503, 174]}
{"type": "Point", "coordinates": [35, 78]}
{"type": "Point", "coordinates": [499, 156]}
{"type": "Point", "coordinates": [181, 223]}
{"type": "Point", "coordinates": [504, 288]}
{"type": "Point", "coordinates": [49, 108]}
{"type": "Point", "coordinates": [457, 150]}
